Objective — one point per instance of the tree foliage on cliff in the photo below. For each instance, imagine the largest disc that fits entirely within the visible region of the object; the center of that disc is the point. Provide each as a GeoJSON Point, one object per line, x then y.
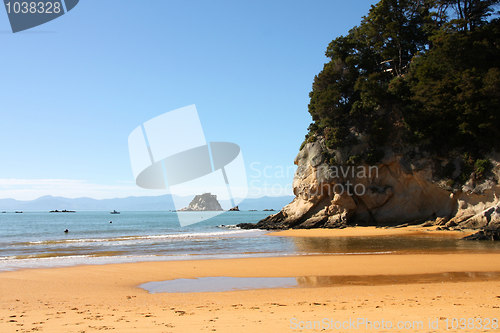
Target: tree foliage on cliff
{"type": "Point", "coordinates": [424, 71]}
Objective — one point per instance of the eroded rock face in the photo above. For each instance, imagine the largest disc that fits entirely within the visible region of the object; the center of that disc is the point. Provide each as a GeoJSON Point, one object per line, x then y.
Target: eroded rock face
{"type": "Point", "coordinates": [394, 192]}
{"type": "Point", "coordinates": [204, 202]}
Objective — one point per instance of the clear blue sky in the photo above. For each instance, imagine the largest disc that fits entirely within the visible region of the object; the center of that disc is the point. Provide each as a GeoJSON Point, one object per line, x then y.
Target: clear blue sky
{"type": "Point", "coordinates": [73, 89]}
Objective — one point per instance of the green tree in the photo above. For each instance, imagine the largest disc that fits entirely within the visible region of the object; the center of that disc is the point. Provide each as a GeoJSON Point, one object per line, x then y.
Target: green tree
{"type": "Point", "coordinates": [454, 88]}
{"type": "Point", "coordinates": [351, 90]}
{"type": "Point", "coordinates": [424, 71]}
{"type": "Point", "coordinates": [470, 14]}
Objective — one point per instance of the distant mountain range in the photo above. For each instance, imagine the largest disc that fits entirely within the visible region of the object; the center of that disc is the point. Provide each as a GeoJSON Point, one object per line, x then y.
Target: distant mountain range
{"type": "Point", "coordinates": [156, 203]}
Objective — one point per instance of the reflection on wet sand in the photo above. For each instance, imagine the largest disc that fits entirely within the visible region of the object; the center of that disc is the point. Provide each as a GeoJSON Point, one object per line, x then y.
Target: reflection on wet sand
{"type": "Point", "coordinates": [372, 280]}
{"type": "Point", "coordinates": [390, 244]}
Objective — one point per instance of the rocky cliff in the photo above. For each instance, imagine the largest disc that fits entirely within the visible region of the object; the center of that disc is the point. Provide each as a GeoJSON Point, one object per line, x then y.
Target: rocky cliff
{"type": "Point", "coordinates": [204, 202]}
{"type": "Point", "coordinates": [407, 133]}
{"type": "Point", "coordinates": [404, 187]}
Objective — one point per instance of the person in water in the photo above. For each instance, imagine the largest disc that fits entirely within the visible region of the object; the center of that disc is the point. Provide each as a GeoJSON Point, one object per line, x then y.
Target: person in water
{"type": "Point", "coordinates": [66, 231]}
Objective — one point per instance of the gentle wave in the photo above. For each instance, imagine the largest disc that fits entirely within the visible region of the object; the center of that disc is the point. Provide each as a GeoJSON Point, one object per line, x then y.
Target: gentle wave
{"type": "Point", "coordinates": [11, 263]}
{"type": "Point", "coordinates": [146, 237]}
{"type": "Point", "coordinates": [75, 260]}
{"type": "Point", "coordinates": [111, 254]}
{"type": "Point", "coordinates": [62, 255]}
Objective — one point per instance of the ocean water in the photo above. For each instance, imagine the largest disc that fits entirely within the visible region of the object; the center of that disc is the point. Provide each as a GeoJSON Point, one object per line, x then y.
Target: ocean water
{"type": "Point", "coordinates": [37, 239]}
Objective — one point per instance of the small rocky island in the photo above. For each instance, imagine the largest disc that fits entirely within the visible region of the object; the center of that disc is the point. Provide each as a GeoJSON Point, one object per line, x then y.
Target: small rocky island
{"type": "Point", "coordinates": [203, 203]}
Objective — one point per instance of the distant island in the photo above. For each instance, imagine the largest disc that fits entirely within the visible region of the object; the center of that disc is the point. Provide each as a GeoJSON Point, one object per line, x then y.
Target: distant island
{"type": "Point", "coordinates": [62, 211]}
{"type": "Point", "coordinates": [202, 203]}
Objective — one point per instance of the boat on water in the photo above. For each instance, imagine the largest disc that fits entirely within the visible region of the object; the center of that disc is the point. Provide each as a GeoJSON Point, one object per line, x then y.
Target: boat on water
{"type": "Point", "coordinates": [114, 212]}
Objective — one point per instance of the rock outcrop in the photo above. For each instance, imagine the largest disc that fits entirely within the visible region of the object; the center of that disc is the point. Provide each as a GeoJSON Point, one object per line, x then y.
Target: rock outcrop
{"type": "Point", "coordinates": [203, 202]}
{"type": "Point", "coordinates": [402, 188]}
{"type": "Point", "coordinates": [485, 235]}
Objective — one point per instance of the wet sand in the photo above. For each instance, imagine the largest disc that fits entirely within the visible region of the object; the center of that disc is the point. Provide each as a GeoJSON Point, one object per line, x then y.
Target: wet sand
{"type": "Point", "coordinates": [357, 287]}
{"type": "Point", "coordinates": [374, 232]}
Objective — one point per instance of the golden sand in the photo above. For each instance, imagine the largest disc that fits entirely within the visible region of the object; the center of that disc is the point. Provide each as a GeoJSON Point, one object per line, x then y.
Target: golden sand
{"type": "Point", "coordinates": [373, 232]}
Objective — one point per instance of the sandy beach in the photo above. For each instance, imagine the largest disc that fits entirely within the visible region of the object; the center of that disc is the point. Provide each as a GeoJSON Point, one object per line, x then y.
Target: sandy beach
{"type": "Point", "coordinates": [411, 290]}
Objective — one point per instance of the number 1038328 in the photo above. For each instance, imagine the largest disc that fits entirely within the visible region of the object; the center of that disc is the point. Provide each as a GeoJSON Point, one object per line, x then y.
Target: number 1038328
{"type": "Point", "coordinates": [33, 7]}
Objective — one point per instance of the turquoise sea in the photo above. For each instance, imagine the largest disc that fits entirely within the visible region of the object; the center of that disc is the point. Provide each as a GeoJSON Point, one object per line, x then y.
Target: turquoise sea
{"type": "Point", "coordinates": [37, 239]}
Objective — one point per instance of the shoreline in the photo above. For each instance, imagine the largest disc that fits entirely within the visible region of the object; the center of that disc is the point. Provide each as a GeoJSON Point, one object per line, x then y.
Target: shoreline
{"type": "Point", "coordinates": [346, 233]}
{"type": "Point", "coordinates": [358, 231]}
{"type": "Point", "coordinates": [392, 287]}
